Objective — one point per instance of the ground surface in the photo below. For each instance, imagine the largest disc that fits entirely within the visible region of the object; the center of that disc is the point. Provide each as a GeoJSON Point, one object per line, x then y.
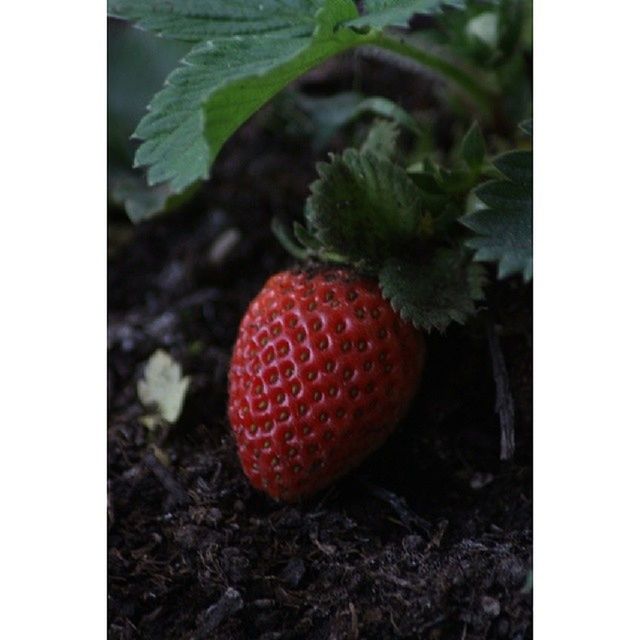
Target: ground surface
{"type": "Point", "coordinates": [431, 538]}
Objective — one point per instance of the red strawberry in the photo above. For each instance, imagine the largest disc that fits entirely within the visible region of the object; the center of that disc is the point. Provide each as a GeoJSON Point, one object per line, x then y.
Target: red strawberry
{"type": "Point", "coordinates": [322, 371]}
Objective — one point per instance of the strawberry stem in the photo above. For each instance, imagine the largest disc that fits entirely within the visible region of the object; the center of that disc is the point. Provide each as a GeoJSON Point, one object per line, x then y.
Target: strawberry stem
{"type": "Point", "coordinates": [482, 95]}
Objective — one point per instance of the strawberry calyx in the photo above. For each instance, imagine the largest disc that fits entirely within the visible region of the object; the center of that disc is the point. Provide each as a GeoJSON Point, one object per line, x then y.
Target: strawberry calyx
{"type": "Point", "coordinates": [369, 214]}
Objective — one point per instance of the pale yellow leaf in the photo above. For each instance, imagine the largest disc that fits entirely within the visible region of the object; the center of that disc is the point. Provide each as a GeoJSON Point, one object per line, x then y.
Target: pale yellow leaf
{"type": "Point", "coordinates": [163, 386]}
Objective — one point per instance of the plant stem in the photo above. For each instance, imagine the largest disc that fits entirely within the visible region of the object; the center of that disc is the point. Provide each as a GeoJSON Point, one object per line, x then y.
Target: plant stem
{"type": "Point", "coordinates": [481, 94]}
{"type": "Point", "coordinates": [281, 232]}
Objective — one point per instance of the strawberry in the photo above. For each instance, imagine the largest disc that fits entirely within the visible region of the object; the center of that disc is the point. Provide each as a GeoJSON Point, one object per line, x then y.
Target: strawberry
{"type": "Point", "coordinates": [322, 371]}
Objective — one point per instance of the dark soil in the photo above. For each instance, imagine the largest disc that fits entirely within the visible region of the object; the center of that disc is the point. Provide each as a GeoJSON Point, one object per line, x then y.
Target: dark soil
{"type": "Point", "coordinates": [430, 538]}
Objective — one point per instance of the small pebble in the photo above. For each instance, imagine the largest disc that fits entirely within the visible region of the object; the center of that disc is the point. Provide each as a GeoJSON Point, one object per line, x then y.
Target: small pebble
{"type": "Point", "coordinates": [480, 480]}
{"type": "Point", "coordinates": [490, 606]}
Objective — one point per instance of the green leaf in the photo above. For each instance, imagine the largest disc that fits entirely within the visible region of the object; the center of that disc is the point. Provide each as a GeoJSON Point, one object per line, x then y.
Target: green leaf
{"type": "Point", "coordinates": [485, 28]}
{"type": "Point", "coordinates": [198, 20]}
{"type": "Point", "coordinates": [396, 13]}
{"type": "Point", "coordinates": [137, 64]}
{"type": "Point", "coordinates": [436, 293]}
{"type": "Point", "coordinates": [382, 139]}
{"type": "Point", "coordinates": [221, 84]}
{"type": "Point", "coordinates": [330, 113]}
{"type": "Point", "coordinates": [456, 181]}
{"type": "Point", "coordinates": [327, 114]}
{"type": "Point", "coordinates": [129, 189]}
{"type": "Point", "coordinates": [386, 108]}
{"type": "Point", "coordinates": [517, 166]}
{"type": "Point", "coordinates": [364, 207]}
{"type": "Point", "coordinates": [245, 53]}
{"type": "Point", "coordinates": [503, 223]}
{"type": "Point", "coordinates": [473, 148]}
{"type": "Point", "coordinates": [341, 108]}
{"type": "Point", "coordinates": [163, 386]}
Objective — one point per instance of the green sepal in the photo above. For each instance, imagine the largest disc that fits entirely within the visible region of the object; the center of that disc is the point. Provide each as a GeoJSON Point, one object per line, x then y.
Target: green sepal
{"type": "Point", "coordinates": [434, 293]}
{"type": "Point", "coordinates": [365, 207]}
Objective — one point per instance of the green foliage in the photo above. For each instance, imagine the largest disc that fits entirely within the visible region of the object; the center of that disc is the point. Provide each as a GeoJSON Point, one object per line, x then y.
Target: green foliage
{"type": "Point", "coordinates": [484, 27]}
{"type": "Point", "coordinates": [137, 64]}
{"type": "Point", "coordinates": [222, 82]}
{"type": "Point", "coordinates": [288, 240]}
{"type": "Point", "coordinates": [401, 224]}
{"type": "Point", "coordinates": [433, 294]}
{"type": "Point", "coordinates": [382, 139]}
{"type": "Point", "coordinates": [472, 148]}
{"type": "Point", "coordinates": [200, 20]}
{"type": "Point", "coordinates": [386, 108]}
{"type": "Point", "coordinates": [396, 13]}
{"type": "Point", "coordinates": [321, 117]}
{"type": "Point", "coordinates": [446, 186]}
{"type": "Point", "coordinates": [517, 166]}
{"type": "Point", "coordinates": [364, 207]}
{"type": "Point", "coordinates": [368, 211]}
{"type": "Point", "coordinates": [243, 54]}
{"type": "Point", "coordinates": [504, 218]}
{"type": "Point", "coordinates": [460, 172]}
{"type": "Point", "coordinates": [129, 189]}
{"type": "Point", "coordinates": [485, 32]}
{"type": "Point", "coordinates": [327, 114]}
{"type": "Point", "coordinates": [494, 37]}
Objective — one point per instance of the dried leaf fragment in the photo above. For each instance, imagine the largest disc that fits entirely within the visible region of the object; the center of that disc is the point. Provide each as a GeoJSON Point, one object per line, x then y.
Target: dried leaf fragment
{"type": "Point", "coordinates": [163, 387]}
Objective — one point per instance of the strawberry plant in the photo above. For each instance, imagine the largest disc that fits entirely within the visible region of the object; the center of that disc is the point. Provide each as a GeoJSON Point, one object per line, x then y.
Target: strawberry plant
{"type": "Point", "coordinates": [416, 230]}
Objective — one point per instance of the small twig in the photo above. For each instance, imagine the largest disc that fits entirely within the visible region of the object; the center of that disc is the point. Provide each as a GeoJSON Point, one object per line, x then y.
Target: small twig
{"type": "Point", "coordinates": [163, 474]}
{"type": "Point", "coordinates": [410, 519]}
{"type": "Point", "coordinates": [355, 631]}
{"type": "Point", "coordinates": [504, 400]}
